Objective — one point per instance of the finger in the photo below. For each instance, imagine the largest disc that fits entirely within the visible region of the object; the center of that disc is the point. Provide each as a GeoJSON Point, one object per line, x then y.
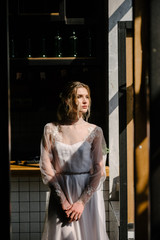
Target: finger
{"type": "Point", "coordinates": [68, 212]}
{"type": "Point", "coordinates": [76, 217]}
{"type": "Point", "coordinates": [79, 216]}
{"type": "Point", "coordinates": [72, 216]}
{"type": "Point", "coordinates": [71, 219]}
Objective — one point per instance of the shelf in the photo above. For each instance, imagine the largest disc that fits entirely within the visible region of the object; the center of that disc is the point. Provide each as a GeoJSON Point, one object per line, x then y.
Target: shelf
{"type": "Point", "coordinates": [54, 61]}
{"type": "Point", "coordinates": [15, 169]}
{"type": "Point", "coordinates": [41, 17]}
{"type": "Point", "coordinates": [24, 169]}
{"type": "Point", "coordinates": [40, 14]}
{"type": "Point", "coordinates": [56, 16]}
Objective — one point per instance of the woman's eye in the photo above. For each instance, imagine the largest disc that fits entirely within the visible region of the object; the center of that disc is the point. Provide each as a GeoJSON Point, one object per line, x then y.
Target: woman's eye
{"type": "Point", "coordinates": [81, 96]}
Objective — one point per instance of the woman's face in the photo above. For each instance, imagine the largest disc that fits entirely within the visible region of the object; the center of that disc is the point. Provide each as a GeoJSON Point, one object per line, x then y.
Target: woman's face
{"type": "Point", "coordinates": [83, 99]}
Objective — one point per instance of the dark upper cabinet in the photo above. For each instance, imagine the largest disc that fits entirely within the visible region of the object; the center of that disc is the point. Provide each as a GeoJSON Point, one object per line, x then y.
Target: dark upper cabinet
{"type": "Point", "coordinates": [51, 42]}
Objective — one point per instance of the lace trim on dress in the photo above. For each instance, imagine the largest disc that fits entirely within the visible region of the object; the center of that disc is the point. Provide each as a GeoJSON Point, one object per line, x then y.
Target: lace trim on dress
{"type": "Point", "coordinates": [59, 191]}
{"type": "Point", "coordinates": [89, 190]}
{"type": "Point", "coordinates": [46, 167]}
{"type": "Point", "coordinates": [55, 133]}
{"type": "Point", "coordinates": [87, 194]}
{"type": "Point", "coordinates": [98, 175]}
{"type": "Point", "coordinates": [57, 136]}
{"type": "Point", "coordinates": [92, 134]}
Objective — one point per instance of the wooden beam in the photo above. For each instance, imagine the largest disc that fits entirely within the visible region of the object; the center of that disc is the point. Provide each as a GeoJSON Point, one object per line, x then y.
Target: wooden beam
{"type": "Point", "coordinates": [130, 127]}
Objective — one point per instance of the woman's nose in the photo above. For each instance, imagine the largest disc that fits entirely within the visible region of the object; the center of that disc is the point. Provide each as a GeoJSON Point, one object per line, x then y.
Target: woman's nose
{"type": "Point", "coordinates": [84, 100]}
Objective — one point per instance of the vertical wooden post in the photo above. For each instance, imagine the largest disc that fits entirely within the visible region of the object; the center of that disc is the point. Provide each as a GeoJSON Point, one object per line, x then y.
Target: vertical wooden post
{"type": "Point", "coordinates": [130, 127]}
{"type": "Point", "coordinates": [141, 139]}
{"type": "Point", "coordinates": [124, 104]}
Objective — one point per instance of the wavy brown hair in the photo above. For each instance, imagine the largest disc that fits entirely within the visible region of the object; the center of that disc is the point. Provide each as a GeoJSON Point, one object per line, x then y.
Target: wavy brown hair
{"type": "Point", "coordinates": [68, 107]}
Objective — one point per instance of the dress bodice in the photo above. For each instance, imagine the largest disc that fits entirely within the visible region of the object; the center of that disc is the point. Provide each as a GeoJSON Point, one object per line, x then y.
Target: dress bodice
{"type": "Point", "coordinates": [75, 158]}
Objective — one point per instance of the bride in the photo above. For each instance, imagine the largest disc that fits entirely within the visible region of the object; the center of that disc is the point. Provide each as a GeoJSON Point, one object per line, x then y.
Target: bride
{"type": "Point", "coordinates": [72, 163]}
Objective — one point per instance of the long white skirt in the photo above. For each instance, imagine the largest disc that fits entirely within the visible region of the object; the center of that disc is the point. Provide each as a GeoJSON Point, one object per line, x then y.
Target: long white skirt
{"type": "Point", "coordinates": [91, 225]}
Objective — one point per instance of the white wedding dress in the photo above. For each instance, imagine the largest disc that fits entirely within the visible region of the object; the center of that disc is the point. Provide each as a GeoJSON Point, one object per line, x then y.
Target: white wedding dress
{"type": "Point", "coordinates": [73, 165]}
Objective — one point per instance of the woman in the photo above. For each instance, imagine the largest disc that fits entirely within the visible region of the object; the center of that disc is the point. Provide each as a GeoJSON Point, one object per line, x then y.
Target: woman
{"type": "Point", "coordinates": [72, 163]}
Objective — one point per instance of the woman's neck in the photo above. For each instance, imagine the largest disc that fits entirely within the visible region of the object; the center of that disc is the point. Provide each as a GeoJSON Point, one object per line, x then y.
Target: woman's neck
{"type": "Point", "coordinates": [73, 120]}
{"type": "Point", "coordinates": [77, 121]}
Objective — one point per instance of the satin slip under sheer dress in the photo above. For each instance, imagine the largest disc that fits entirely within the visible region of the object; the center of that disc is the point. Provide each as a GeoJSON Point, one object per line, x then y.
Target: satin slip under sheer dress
{"type": "Point", "coordinates": [74, 171]}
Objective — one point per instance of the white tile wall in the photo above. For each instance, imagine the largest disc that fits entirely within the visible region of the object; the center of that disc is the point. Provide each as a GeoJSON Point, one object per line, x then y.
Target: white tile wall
{"type": "Point", "coordinates": [29, 197]}
{"type": "Point", "coordinates": [28, 202]}
{"type": "Point", "coordinates": [114, 220]}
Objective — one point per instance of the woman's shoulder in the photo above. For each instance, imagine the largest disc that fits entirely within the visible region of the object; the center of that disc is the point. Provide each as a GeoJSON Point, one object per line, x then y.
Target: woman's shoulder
{"type": "Point", "coordinates": [94, 129]}
{"type": "Point", "coordinates": [50, 127]}
{"type": "Point", "coordinates": [94, 126]}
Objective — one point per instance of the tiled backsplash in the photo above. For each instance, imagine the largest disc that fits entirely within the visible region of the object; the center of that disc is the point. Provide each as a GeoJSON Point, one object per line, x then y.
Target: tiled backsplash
{"type": "Point", "coordinates": [29, 197]}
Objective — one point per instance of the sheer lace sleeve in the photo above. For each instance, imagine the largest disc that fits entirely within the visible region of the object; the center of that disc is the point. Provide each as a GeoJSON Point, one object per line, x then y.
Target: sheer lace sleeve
{"type": "Point", "coordinates": [46, 166]}
{"type": "Point", "coordinates": [98, 173]}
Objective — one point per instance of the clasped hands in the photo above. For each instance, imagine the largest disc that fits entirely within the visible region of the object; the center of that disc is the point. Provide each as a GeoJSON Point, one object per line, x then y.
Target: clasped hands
{"type": "Point", "coordinates": [73, 211]}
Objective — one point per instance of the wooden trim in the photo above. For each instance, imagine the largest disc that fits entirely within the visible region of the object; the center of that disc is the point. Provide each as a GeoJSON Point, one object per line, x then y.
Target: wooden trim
{"type": "Point", "coordinates": [22, 167]}
{"type": "Point", "coordinates": [55, 61]}
{"type": "Point", "coordinates": [123, 27]}
{"type": "Point", "coordinates": [130, 127]}
{"type": "Point", "coordinates": [59, 58]}
{"type": "Point", "coordinates": [107, 171]}
{"type": "Point", "coordinates": [53, 58]}
{"type": "Point", "coordinates": [39, 14]}
{"type": "Point", "coordinates": [33, 168]}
